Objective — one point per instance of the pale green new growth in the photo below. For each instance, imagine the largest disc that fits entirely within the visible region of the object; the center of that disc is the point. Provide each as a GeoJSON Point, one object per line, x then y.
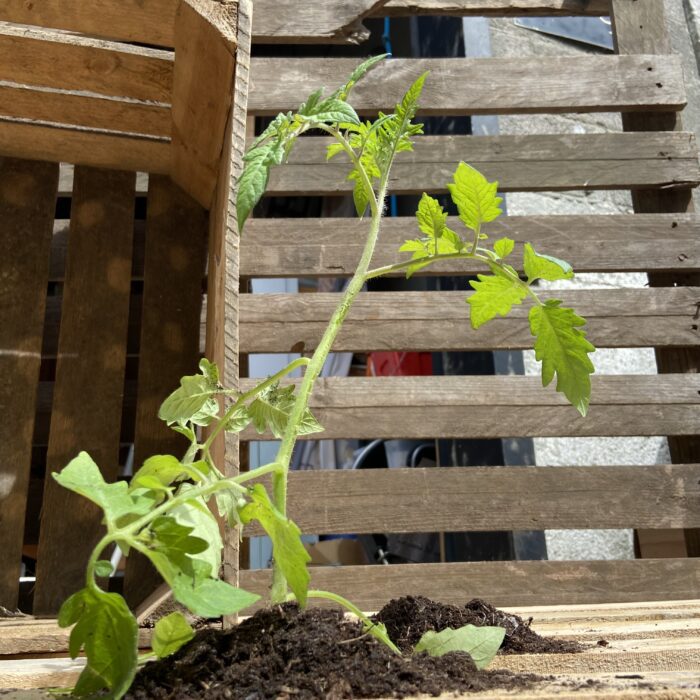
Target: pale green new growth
{"type": "Point", "coordinates": [163, 513]}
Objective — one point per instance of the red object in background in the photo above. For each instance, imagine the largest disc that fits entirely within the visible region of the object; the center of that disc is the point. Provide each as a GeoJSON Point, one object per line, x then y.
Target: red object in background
{"type": "Point", "coordinates": [395, 364]}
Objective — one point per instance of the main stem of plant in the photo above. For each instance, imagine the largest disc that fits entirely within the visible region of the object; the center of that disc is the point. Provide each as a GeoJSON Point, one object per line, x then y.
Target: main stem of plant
{"type": "Point", "coordinates": [313, 370]}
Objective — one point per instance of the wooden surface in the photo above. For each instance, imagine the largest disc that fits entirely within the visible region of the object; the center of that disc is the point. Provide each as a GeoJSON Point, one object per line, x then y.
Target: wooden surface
{"type": "Point", "coordinates": [500, 407]}
{"type": "Point", "coordinates": [480, 86]}
{"type": "Point", "coordinates": [27, 205]}
{"type": "Point", "coordinates": [613, 243]}
{"type": "Point", "coordinates": [463, 499]}
{"type": "Point", "coordinates": [519, 163]}
{"type": "Point", "coordinates": [87, 401]}
{"type": "Point", "coordinates": [175, 261]}
{"type": "Point", "coordinates": [439, 321]}
{"type": "Point", "coordinates": [202, 92]}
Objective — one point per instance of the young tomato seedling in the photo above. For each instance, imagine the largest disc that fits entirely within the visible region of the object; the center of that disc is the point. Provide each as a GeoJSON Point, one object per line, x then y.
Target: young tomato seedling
{"type": "Point", "coordinates": [164, 513]}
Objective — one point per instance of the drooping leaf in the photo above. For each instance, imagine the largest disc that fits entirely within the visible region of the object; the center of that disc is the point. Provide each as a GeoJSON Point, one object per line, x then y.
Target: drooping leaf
{"type": "Point", "coordinates": [562, 348]}
{"type": "Point", "coordinates": [494, 295]}
{"type": "Point", "coordinates": [503, 247]}
{"type": "Point", "coordinates": [287, 548]}
{"type": "Point", "coordinates": [193, 401]}
{"type": "Point", "coordinates": [196, 515]}
{"type": "Point", "coordinates": [545, 267]}
{"type": "Point", "coordinates": [252, 185]}
{"type": "Point", "coordinates": [481, 643]}
{"type": "Point", "coordinates": [170, 633]}
{"type": "Point", "coordinates": [271, 410]}
{"type": "Point", "coordinates": [474, 196]}
{"type": "Point", "coordinates": [106, 629]}
{"type": "Point", "coordinates": [212, 597]}
{"type": "Point", "coordinates": [164, 470]}
{"type": "Point", "coordinates": [239, 420]}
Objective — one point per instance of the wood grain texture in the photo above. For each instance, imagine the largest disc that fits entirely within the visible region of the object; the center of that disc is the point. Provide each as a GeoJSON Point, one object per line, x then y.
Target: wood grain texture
{"type": "Point", "coordinates": [485, 499]}
{"type": "Point", "coordinates": [505, 583]}
{"type": "Point", "coordinates": [640, 26]}
{"type": "Point", "coordinates": [500, 407]}
{"type": "Point", "coordinates": [438, 321]}
{"type": "Point", "coordinates": [519, 163]}
{"type": "Point", "coordinates": [202, 92]}
{"type": "Point", "coordinates": [27, 205]}
{"type": "Point", "coordinates": [83, 147]}
{"type": "Point", "coordinates": [481, 86]}
{"type": "Point", "coordinates": [58, 60]}
{"type": "Point", "coordinates": [175, 262]}
{"type": "Point", "coordinates": [615, 243]}
{"type": "Point", "coordinates": [21, 102]}
{"type": "Point", "coordinates": [87, 402]}
{"type": "Point", "coordinates": [495, 8]}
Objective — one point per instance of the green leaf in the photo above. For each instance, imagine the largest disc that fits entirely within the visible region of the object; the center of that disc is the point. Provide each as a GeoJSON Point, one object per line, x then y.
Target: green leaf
{"type": "Point", "coordinates": [503, 247]}
{"type": "Point", "coordinates": [177, 541]}
{"type": "Point", "coordinates": [287, 548]}
{"type": "Point", "coordinates": [252, 185]}
{"type": "Point", "coordinates": [103, 568]}
{"type": "Point", "coordinates": [194, 401]}
{"type": "Point", "coordinates": [334, 111]}
{"type": "Point", "coordinates": [271, 410]}
{"type": "Point", "coordinates": [562, 348]}
{"type": "Point", "coordinates": [432, 219]}
{"type": "Point", "coordinates": [239, 420]}
{"type": "Point", "coordinates": [545, 267]}
{"type": "Point", "coordinates": [196, 515]}
{"type": "Point", "coordinates": [481, 643]}
{"type": "Point", "coordinates": [163, 470]}
{"type": "Point", "coordinates": [358, 74]}
{"type": "Point", "coordinates": [474, 196]}
{"type": "Point", "coordinates": [170, 633]}
{"type": "Point", "coordinates": [211, 597]}
{"type": "Point", "coordinates": [108, 631]}
{"type": "Point", "coordinates": [494, 296]}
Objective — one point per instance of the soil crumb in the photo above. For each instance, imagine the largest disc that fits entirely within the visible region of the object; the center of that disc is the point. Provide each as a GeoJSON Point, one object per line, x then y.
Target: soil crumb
{"type": "Point", "coordinates": [407, 619]}
{"type": "Point", "coordinates": [283, 652]}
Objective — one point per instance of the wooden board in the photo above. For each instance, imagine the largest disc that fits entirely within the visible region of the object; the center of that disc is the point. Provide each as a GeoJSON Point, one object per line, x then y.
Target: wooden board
{"type": "Point", "coordinates": [202, 92]}
{"type": "Point", "coordinates": [500, 407]}
{"type": "Point", "coordinates": [519, 163]}
{"type": "Point", "coordinates": [614, 243]}
{"type": "Point", "coordinates": [80, 110]}
{"type": "Point", "coordinates": [175, 261]}
{"type": "Point", "coordinates": [439, 321]}
{"type": "Point", "coordinates": [87, 403]}
{"type": "Point", "coordinates": [522, 85]}
{"type": "Point", "coordinates": [49, 59]}
{"type": "Point", "coordinates": [27, 205]}
{"type": "Point", "coordinates": [455, 499]}
{"type": "Point", "coordinates": [496, 8]}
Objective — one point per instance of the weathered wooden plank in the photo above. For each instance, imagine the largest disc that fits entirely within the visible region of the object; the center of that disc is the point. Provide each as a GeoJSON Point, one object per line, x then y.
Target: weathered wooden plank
{"type": "Point", "coordinates": [495, 8]}
{"type": "Point", "coordinates": [87, 403]}
{"type": "Point", "coordinates": [27, 205]}
{"type": "Point", "coordinates": [505, 583]}
{"type": "Point", "coordinates": [637, 27]}
{"type": "Point", "coordinates": [175, 261]}
{"type": "Point", "coordinates": [205, 50]}
{"type": "Point", "coordinates": [21, 102]}
{"type": "Point", "coordinates": [69, 62]}
{"type": "Point", "coordinates": [520, 163]}
{"type": "Point", "coordinates": [83, 147]}
{"type": "Point", "coordinates": [437, 321]}
{"type": "Point", "coordinates": [493, 498]}
{"type": "Point", "coordinates": [501, 406]}
{"type": "Point", "coordinates": [454, 86]}
{"type": "Point", "coordinates": [616, 243]}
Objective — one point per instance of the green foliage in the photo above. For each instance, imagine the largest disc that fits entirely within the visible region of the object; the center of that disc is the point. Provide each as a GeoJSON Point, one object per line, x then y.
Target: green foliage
{"type": "Point", "coordinates": [562, 348]}
{"type": "Point", "coordinates": [475, 197]}
{"type": "Point", "coordinates": [494, 296]}
{"type": "Point", "coordinates": [271, 411]}
{"type": "Point", "coordinates": [170, 633]}
{"type": "Point", "coordinates": [195, 400]}
{"type": "Point", "coordinates": [503, 247]}
{"type": "Point", "coordinates": [481, 643]}
{"type": "Point", "coordinates": [544, 267]}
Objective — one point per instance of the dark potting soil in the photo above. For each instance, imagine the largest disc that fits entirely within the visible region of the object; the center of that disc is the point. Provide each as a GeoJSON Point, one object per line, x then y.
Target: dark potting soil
{"type": "Point", "coordinates": [283, 652]}
{"type": "Point", "coordinates": [407, 619]}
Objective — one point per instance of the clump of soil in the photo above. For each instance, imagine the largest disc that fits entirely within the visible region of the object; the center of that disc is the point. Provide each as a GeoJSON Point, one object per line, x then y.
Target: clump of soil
{"type": "Point", "coordinates": [407, 619]}
{"type": "Point", "coordinates": [284, 652]}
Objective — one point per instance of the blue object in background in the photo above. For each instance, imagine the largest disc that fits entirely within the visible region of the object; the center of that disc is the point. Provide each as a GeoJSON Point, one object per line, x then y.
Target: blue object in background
{"type": "Point", "coordinates": [596, 31]}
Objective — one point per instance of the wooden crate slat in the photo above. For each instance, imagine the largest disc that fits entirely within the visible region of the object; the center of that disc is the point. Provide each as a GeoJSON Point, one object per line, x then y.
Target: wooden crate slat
{"type": "Point", "coordinates": [175, 261]}
{"type": "Point", "coordinates": [27, 205]}
{"type": "Point", "coordinates": [505, 583]}
{"type": "Point", "coordinates": [495, 8]}
{"type": "Point", "coordinates": [21, 102]}
{"type": "Point", "coordinates": [69, 62]}
{"type": "Point", "coordinates": [83, 147]}
{"type": "Point", "coordinates": [87, 402]}
{"type": "Point", "coordinates": [437, 321]}
{"type": "Point", "coordinates": [519, 163]}
{"type": "Point", "coordinates": [457, 499]}
{"type": "Point", "coordinates": [454, 86]}
{"type": "Point", "coordinates": [613, 243]}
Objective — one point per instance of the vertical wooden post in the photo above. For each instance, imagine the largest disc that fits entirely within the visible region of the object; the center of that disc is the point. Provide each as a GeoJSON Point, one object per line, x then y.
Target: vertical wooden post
{"type": "Point", "coordinates": [639, 27]}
